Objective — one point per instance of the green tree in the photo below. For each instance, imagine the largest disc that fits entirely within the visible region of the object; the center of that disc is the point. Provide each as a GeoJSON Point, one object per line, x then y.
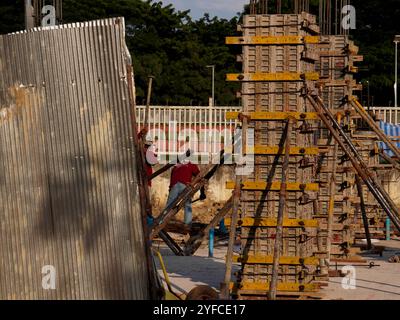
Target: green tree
{"type": "Point", "coordinates": [11, 16]}
{"type": "Point", "coordinates": [174, 48]}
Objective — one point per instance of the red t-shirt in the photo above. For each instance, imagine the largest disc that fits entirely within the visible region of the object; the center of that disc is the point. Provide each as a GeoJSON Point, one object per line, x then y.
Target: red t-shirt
{"type": "Point", "coordinates": [183, 173]}
{"type": "Point", "coordinates": [149, 172]}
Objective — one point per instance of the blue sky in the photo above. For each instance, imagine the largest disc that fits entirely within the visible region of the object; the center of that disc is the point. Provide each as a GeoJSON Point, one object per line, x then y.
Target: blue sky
{"type": "Point", "coordinates": [221, 8]}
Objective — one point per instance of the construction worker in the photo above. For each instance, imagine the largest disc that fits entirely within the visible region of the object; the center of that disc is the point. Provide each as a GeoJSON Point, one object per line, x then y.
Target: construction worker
{"type": "Point", "coordinates": [150, 154]}
{"type": "Point", "coordinates": [181, 176]}
{"type": "Point", "coordinates": [150, 158]}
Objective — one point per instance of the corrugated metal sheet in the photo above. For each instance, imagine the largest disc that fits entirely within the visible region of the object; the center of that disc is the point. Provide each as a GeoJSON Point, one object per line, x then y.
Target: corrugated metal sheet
{"type": "Point", "coordinates": [68, 184]}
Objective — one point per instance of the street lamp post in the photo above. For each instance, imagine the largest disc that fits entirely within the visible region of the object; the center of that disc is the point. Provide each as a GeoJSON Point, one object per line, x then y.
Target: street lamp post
{"type": "Point", "coordinates": [396, 41]}
{"type": "Point", "coordinates": [211, 233]}
{"type": "Point", "coordinates": [213, 83]}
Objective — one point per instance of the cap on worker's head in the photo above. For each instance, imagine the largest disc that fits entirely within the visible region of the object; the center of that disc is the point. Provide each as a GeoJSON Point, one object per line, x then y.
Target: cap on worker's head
{"type": "Point", "coordinates": [184, 158]}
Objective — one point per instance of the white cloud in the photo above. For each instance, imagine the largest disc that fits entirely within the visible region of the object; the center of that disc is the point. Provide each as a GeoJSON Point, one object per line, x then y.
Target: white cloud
{"type": "Point", "coordinates": [220, 8]}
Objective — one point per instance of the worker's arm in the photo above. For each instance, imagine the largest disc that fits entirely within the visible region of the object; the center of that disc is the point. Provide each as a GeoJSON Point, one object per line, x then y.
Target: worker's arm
{"type": "Point", "coordinates": [195, 170]}
{"type": "Point", "coordinates": [142, 134]}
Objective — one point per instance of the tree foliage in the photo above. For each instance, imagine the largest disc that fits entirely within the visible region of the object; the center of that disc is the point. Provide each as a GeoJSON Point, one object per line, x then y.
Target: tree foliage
{"type": "Point", "coordinates": [176, 49]}
{"type": "Point", "coordinates": [170, 46]}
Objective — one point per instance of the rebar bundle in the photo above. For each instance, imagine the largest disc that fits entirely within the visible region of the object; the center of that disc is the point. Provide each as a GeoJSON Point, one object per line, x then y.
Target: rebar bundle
{"type": "Point", "coordinates": [259, 6]}
{"type": "Point", "coordinates": [301, 6]}
{"type": "Point", "coordinates": [330, 16]}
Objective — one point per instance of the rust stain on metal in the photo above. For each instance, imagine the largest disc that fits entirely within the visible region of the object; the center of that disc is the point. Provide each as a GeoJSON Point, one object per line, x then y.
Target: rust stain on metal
{"type": "Point", "coordinates": [19, 96]}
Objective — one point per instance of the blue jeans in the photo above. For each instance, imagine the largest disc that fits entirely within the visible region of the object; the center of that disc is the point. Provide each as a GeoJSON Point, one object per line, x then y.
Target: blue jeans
{"type": "Point", "coordinates": [174, 194]}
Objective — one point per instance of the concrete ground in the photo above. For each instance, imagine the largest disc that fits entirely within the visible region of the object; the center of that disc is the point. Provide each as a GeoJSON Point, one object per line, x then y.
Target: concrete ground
{"type": "Point", "coordinates": [378, 283]}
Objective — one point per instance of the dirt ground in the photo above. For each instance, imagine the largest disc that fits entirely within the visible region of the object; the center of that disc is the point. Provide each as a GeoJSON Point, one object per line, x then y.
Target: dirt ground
{"type": "Point", "coordinates": [378, 283]}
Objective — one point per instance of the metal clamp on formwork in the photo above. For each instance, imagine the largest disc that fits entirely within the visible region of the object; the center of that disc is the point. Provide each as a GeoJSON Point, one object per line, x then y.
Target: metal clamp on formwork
{"type": "Point", "coordinates": [306, 162]}
{"type": "Point", "coordinates": [344, 158]}
{"type": "Point", "coordinates": [305, 128]}
{"type": "Point", "coordinates": [343, 217]}
{"type": "Point", "coordinates": [344, 185]}
{"type": "Point", "coordinates": [305, 199]}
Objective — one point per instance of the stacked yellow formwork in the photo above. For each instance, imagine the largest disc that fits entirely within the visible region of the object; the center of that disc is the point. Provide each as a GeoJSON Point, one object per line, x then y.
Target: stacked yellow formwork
{"type": "Point", "coordinates": [279, 55]}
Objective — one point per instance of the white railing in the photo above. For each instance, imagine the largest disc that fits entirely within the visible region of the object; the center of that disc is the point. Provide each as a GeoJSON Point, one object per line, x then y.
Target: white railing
{"type": "Point", "coordinates": [204, 129]}
{"type": "Point", "coordinates": [388, 114]}
{"type": "Point", "coordinates": [186, 115]}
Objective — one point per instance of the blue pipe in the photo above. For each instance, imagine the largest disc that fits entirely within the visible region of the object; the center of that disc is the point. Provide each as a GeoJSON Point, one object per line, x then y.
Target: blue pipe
{"type": "Point", "coordinates": [388, 229]}
{"type": "Point", "coordinates": [211, 243]}
{"type": "Point", "coordinates": [222, 227]}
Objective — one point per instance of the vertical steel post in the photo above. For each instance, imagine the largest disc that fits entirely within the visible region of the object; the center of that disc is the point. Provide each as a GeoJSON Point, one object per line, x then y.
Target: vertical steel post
{"type": "Point", "coordinates": [396, 41]}
{"type": "Point", "coordinates": [29, 12]}
{"type": "Point", "coordinates": [211, 243]}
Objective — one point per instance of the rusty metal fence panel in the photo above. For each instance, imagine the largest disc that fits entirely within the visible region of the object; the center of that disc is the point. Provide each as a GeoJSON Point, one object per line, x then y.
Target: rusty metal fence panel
{"type": "Point", "coordinates": [69, 205]}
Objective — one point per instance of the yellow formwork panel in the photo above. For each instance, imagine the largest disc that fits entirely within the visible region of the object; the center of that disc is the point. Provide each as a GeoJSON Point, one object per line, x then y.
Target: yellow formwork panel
{"type": "Point", "coordinates": [267, 150]}
{"type": "Point", "coordinates": [274, 186]}
{"type": "Point", "coordinates": [272, 116]}
{"type": "Point", "coordinates": [272, 40]}
{"type": "Point", "coordinates": [310, 261]}
{"type": "Point", "coordinates": [284, 76]}
{"type": "Point", "coordinates": [271, 222]}
{"type": "Point", "coordinates": [264, 286]}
